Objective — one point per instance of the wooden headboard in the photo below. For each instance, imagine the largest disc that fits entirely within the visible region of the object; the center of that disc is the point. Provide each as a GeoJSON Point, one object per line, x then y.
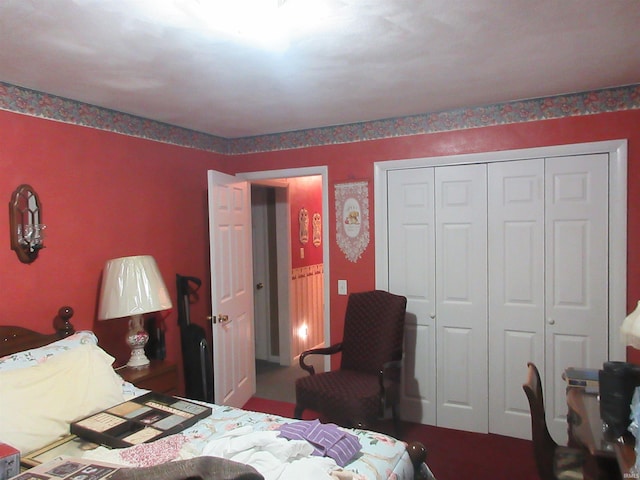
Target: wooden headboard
{"type": "Point", "coordinates": [15, 339]}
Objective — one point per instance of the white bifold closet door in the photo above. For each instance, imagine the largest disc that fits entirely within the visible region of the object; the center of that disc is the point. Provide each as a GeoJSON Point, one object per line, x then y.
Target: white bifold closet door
{"type": "Point", "coordinates": [438, 260]}
{"type": "Point", "coordinates": [576, 274]}
{"type": "Point", "coordinates": [412, 266]}
{"type": "Point", "coordinates": [548, 277]}
{"type": "Point", "coordinates": [517, 300]}
{"type": "Point", "coordinates": [461, 296]}
{"type": "Point", "coordinates": [502, 263]}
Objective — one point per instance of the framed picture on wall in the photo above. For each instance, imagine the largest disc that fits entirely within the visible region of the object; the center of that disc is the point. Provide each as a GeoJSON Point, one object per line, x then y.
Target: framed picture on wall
{"type": "Point", "coordinates": [352, 218]}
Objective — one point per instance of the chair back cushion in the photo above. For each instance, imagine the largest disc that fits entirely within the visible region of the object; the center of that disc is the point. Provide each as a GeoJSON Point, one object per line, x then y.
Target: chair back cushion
{"type": "Point", "coordinates": [373, 330]}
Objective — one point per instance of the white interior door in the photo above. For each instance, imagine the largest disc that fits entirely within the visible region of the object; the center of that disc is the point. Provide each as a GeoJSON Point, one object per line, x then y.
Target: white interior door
{"type": "Point", "coordinates": [231, 289]}
{"type": "Point", "coordinates": [412, 274]}
{"type": "Point", "coordinates": [577, 287]}
{"type": "Point", "coordinates": [461, 297]}
{"type": "Point", "coordinates": [516, 279]}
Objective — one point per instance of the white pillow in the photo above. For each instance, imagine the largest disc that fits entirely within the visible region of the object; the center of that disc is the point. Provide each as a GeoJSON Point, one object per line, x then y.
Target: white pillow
{"type": "Point", "coordinates": [35, 356]}
{"type": "Point", "coordinates": [38, 403]}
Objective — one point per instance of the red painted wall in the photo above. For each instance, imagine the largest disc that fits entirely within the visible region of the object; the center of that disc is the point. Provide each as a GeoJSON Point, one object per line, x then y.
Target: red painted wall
{"type": "Point", "coordinates": [305, 192]}
{"type": "Point", "coordinates": [106, 195]}
{"type": "Point", "coordinates": [103, 196]}
{"type": "Point", "coordinates": [355, 162]}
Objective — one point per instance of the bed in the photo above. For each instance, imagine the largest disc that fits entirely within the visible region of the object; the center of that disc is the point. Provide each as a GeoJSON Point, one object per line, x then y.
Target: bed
{"type": "Point", "coordinates": [38, 372]}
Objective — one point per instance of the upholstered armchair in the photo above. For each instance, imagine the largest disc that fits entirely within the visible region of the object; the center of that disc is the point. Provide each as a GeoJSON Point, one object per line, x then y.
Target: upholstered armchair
{"type": "Point", "coordinates": [368, 380]}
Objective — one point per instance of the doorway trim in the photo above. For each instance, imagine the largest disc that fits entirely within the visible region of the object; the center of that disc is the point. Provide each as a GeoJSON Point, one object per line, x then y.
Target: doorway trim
{"type": "Point", "coordinates": [617, 150]}
{"type": "Point", "coordinates": [323, 171]}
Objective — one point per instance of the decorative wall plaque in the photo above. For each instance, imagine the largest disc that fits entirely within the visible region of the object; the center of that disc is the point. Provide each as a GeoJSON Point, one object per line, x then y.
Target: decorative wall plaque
{"type": "Point", "coordinates": [352, 218]}
{"type": "Point", "coordinates": [317, 229]}
{"type": "Point", "coordinates": [303, 219]}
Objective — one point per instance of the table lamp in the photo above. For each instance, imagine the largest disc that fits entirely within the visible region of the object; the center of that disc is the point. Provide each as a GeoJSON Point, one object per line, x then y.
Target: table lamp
{"type": "Point", "coordinates": [630, 329]}
{"type": "Point", "coordinates": [131, 287]}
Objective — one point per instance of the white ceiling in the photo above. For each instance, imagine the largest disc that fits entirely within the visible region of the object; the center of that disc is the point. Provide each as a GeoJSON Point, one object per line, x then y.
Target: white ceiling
{"type": "Point", "coordinates": [358, 60]}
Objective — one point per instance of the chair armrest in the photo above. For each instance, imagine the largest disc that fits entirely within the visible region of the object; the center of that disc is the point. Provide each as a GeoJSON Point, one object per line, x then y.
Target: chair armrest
{"type": "Point", "coordinates": [318, 351]}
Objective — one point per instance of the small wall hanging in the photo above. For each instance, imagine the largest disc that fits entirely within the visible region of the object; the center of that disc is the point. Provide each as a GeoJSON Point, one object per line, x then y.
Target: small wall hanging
{"type": "Point", "coordinates": [317, 230]}
{"type": "Point", "coordinates": [352, 218]}
{"type": "Point", "coordinates": [303, 219]}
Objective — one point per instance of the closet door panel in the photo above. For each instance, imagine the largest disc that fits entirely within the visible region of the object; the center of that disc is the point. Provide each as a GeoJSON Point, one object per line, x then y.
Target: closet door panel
{"type": "Point", "coordinates": [516, 286]}
{"type": "Point", "coordinates": [577, 273]}
{"type": "Point", "coordinates": [418, 374]}
{"type": "Point", "coordinates": [461, 296]}
{"type": "Point", "coordinates": [457, 277]}
{"type": "Point", "coordinates": [412, 274]}
{"type": "Point", "coordinates": [455, 349]}
{"type": "Point", "coordinates": [570, 263]}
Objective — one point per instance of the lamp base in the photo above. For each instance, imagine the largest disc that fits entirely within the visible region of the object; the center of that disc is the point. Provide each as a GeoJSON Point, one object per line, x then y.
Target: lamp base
{"type": "Point", "coordinates": [137, 338]}
{"type": "Point", "coordinates": [138, 359]}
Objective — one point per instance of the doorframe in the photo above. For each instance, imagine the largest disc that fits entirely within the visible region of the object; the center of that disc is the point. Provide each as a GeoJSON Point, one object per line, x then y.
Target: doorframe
{"type": "Point", "coordinates": [617, 150]}
{"type": "Point", "coordinates": [285, 325]}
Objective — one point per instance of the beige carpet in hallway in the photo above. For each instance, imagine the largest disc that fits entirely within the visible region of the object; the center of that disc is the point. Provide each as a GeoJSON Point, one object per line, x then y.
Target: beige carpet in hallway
{"type": "Point", "coordinates": [275, 382]}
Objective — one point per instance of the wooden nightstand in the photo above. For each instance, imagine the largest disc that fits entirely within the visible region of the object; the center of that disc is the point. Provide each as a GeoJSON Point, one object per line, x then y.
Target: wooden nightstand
{"type": "Point", "coordinates": [160, 376]}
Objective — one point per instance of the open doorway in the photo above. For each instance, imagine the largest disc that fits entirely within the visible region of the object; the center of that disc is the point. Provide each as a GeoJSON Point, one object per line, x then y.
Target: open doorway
{"type": "Point", "coordinates": [289, 284]}
{"type": "Point", "coordinates": [265, 271]}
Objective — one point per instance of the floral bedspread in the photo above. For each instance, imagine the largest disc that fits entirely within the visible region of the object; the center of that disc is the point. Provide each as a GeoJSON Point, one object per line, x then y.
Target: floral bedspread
{"type": "Point", "coordinates": [381, 456]}
{"type": "Point", "coordinates": [241, 435]}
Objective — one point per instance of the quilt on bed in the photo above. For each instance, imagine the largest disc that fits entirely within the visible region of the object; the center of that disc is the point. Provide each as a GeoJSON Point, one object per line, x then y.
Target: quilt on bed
{"type": "Point", "coordinates": [77, 367]}
{"type": "Point", "coordinates": [254, 438]}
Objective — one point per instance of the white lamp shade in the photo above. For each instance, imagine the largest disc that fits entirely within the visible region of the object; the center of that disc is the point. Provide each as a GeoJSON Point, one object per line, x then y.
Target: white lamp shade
{"type": "Point", "coordinates": [132, 286]}
{"type": "Point", "coordinates": [630, 330]}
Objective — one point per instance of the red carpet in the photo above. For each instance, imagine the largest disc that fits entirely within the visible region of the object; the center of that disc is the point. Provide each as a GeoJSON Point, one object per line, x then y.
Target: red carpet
{"type": "Point", "coordinates": [452, 454]}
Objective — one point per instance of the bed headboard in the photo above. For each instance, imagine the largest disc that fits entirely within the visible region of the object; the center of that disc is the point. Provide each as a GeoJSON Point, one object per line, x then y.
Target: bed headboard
{"type": "Point", "coordinates": [15, 339]}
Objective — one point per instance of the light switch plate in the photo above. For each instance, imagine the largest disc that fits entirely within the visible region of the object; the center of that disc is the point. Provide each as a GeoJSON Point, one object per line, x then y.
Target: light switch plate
{"type": "Point", "coordinates": [342, 287]}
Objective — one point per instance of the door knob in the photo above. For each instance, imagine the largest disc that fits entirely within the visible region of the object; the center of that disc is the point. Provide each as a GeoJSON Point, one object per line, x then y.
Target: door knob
{"type": "Point", "coordinates": [220, 319]}
{"type": "Point", "coordinates": [260, 286]}
{"type": "Point", "coordinates": [551, 321]}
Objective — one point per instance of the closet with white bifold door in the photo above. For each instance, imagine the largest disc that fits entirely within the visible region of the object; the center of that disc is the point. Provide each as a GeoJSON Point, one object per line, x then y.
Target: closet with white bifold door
{"type": "Point", "coordinates": [502, 262]}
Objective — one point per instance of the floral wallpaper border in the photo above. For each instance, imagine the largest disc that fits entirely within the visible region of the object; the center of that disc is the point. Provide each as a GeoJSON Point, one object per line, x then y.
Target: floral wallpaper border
{"type": "Point", "coordinates": [40, 104]}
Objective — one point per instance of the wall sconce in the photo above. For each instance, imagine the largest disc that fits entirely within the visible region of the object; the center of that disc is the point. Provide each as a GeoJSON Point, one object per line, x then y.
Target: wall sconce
{"type": "Point", "coordinates": [26, 227]}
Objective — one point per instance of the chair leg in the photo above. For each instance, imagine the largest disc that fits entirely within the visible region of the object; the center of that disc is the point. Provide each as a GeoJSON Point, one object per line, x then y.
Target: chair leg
{"type": "Point", "coordinates": [297, 412]}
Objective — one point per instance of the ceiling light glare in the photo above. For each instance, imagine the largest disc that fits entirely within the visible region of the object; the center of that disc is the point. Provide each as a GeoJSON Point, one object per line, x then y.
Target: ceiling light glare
{"type": "Point", "coordinates": [268, 24]}
{"type": "Point", "coordinates": [250, 21]}
{"type": "Point", "coordinates": [303, 16]}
